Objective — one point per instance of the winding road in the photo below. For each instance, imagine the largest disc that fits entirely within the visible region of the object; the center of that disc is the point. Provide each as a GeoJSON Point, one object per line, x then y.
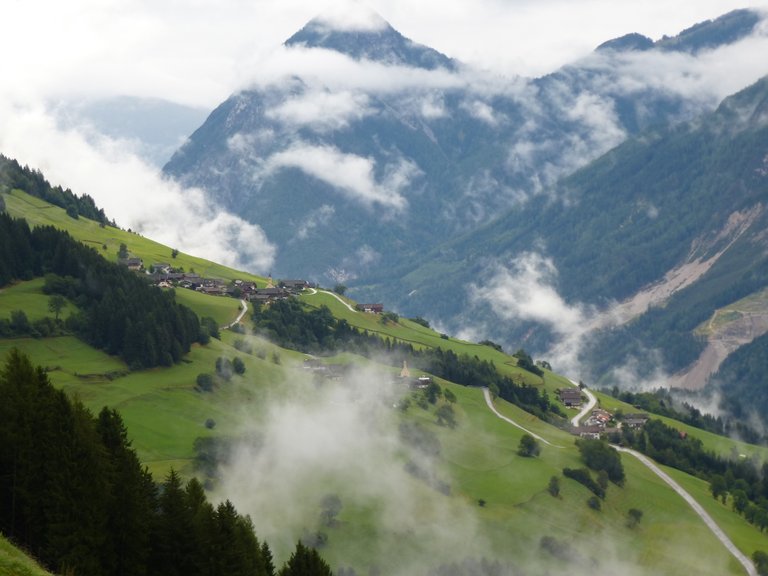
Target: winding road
{"type": "Point", "coordinates": [489, 402]}
{"type": "Point", "coordinates": [703, 514]}
{"type": "Point", "coordinates": [243, 310]}
{"type": "Point", "coordinates": [697, 508]}
{"type": "Point", "coordinates": [592, 402]}
{"type": "Point", "coordinates": [339, 299]}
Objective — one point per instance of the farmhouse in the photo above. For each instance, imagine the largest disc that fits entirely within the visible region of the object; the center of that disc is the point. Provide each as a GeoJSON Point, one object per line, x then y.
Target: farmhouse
{"type": "Point", "coordinates": [591, 432]}
{"type": "Point", "coordinates": [570, 396]}
{"type": "Point", "coordinates": [634, 420]}
{"type": "Point", "coordinates": [134, 264]}
{"type": "Point", "coordinates": [160, 268]}
{"type": "Point", "coordinates": [371, 308]}
{"type": "Point", "coordinates": [293, 286]}
{"type": "Point", "coordinates": [268, 295]}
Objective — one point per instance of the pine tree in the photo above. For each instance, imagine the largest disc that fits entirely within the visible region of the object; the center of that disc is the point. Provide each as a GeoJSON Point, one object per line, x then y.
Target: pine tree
{"type": "Point", "coordinates": [131, 501]}
{"type": "Point", "coordinates": [305, 562]}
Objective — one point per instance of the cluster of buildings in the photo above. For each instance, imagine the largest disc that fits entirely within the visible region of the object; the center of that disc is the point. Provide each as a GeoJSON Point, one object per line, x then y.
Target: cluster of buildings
{"type": "Point", "coordinates": [163, 275]}
{"type": "Point", "coordinates": [600, 423]}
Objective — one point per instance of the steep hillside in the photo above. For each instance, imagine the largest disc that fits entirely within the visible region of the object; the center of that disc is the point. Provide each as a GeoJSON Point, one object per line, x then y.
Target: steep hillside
{"type": "Point", "coordinates": [358, 175]}
{"type": "Point", "coordinates": [676, 215]}
{"type": "Point", "coordinates": [340, 450]}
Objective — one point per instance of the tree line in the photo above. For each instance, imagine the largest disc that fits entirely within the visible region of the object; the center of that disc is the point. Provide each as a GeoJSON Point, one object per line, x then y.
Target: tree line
{"type": "Point", "coordinates": [316, 331]}
{"type": "Point", "coordinates": [74, 494]}
{"type": "Point", "coordinates": [737, 477]}
{"type": "Point", "coordinates": [118, 311]}
{"type": "Point", "coordinates": [662, 403]}
{"type": "Point", "coordinates": [15, 176]}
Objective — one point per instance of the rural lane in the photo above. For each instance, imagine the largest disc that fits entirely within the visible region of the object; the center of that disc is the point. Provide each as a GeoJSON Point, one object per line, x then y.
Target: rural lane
{"type": "Point", "coordinates": [243, 310]}
{"type": "Point", "coordinates": [708, 521]}
{"type": "Point", "coordinates": [716, 530]}
{"type": "Point", "coordinates": [587, 409]}
{"type": "Point", "coordinates": [489, 402]}
{"type": "Point", "coordinates": [339, 299]}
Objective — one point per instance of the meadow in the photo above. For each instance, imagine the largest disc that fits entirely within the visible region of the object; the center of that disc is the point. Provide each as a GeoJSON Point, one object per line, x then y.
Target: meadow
{"type": "Point", "coordinates": [498, 504]}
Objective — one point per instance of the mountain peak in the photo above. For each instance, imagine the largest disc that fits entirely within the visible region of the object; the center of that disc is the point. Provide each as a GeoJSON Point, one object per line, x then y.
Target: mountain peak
{"type": "Point", "coordinates": [727, 29]}
{"type": "Point", "coordinates": [361, 33]}
{"type": "Point", "coordinates": [351, 16]}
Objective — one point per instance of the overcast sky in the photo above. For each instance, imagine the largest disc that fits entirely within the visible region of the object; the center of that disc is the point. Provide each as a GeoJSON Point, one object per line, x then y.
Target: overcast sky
{"type": "Point", "coordinates": [199, 51]}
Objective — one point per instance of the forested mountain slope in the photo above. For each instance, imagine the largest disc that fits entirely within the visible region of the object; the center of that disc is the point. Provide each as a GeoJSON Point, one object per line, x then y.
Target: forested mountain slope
{"type": "Point", "coordinates": [356, 177]}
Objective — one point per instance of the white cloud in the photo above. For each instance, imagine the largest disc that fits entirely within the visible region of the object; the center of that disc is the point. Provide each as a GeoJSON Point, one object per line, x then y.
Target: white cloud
{"type": "Point", "coordinates": [524, 291]}
{"type": "Point", "coordinates": [352, 15]}
{"type": "Point", "coordinates": [432, 107]}
{"type": "Point", "coordinates": [322, 110]}
{"type": "Point", "coordinates": [482, 111]}
{"type": "Point", "coordinates": [130, 191]}
{"type": "Point", "coordinates": [343, 439]}
{"type": "Point", "coordinates": [338, 72]}
{"type": "Point", "coordinates": [352, 175]}
{"type": "Point", "coordinates": [314, 220]}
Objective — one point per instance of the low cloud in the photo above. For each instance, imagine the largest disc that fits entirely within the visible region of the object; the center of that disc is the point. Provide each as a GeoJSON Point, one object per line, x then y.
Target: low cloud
{"type": "Point", "coordinates": [354, 176]}
{"type": "Point", "coordinates": [338, 72]}
{"type": "Point", "coordinates": [315, 220]}
{"type": "Point", "coordinates": [130, 191]}
{"type": "Point", "coordinates": [342, 438]}
{"type": "Point", "coordinates": [322, 110]}
{"type": "Point", "coordinates": [351, 15]}
{"type": "Point", "coordinates": [483, 112]}
{"type": "Point", "coordinates": [525, 290]}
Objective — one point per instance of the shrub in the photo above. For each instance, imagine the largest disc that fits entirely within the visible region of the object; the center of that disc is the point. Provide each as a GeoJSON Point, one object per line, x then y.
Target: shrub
{"type": "Point", "coordinates": [205, 382]}
{"type": "Point", "coordinates": [528, 447]}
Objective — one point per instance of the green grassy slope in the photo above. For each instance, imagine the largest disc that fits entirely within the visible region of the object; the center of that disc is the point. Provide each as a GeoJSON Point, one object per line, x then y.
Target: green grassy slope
{"type": "Point", "coordinates": [13, 562]}
{"type": "Point", "coordinates": [39, 213]}
{"type": "Point", "coordinates": [164, 414]}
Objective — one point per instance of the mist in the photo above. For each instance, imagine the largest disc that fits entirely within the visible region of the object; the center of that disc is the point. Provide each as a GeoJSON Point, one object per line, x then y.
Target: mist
{"type": "Point", "coordinates": [343, 438]}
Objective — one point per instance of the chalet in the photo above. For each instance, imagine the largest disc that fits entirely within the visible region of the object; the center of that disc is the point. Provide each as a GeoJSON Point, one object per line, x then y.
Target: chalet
{"type": "Point", "coordinates": [634, 421]}
{"type": "Point", "coordinates": [213, 289]}
{"type": "Point", "coordinates": [134, 264]}
{"type": "Point", "coordinates": [313, 364]}
{"type": "Point", "coordinates": [160, 268]}
{"type": "Point", "coordinates": [371, 308]}
{"type": "Point", "coordinates": [421, 383]}
{"type": "Point", "coordinates": [293, 286]}
{"type": "Point", "coordinates": [570, 396]}
{"type": "Point", "coordinates": [599, 417]}
{"type": "Point", "coordinates": [591, 432]}
{"type": "Point", "coordinates": [267, 295]}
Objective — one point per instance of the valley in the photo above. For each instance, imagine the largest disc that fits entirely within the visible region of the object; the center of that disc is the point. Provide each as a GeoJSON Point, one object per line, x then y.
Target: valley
{"type": "Point", "coordinates": [453, 320]}
{"type": "Point", "coordinates": [165, 416]}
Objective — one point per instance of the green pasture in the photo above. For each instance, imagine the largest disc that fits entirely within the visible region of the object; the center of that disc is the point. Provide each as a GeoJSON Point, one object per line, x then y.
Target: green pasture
{"type": "Point", "coordinates": [28, 296]}
{"type": "Point", "coordinates": [221, 308]}
{"type": "Point", "coordinates": [726, 447]}
{"type": "Point", "coordinates": [165, 413]}
{"type": "Point", "coordinates": [13, 562]}
{"type": "Point", "coordinates": [107, 239]}
{"type": "Point", "coordinates": [480, 459]}
{"type": "Point", "coordinates": [421, 337]}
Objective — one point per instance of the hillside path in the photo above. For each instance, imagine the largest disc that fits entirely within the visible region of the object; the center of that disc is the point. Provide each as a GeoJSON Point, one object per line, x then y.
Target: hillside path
{"type": "Point", "coordinates": [587, 409]}
{"type": "Point", "coordinates": [243, 311]}
{"type": "Point", "coordinates": [716, 530]}
{"type": "Point", "coordinates": [684, 494]}
{"type": "Point", "coordinates": [710, 523]}
{"type": "Point", "coordinates": [339, 299]}
{"type": "Point", "coordinates": [489, 402]}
